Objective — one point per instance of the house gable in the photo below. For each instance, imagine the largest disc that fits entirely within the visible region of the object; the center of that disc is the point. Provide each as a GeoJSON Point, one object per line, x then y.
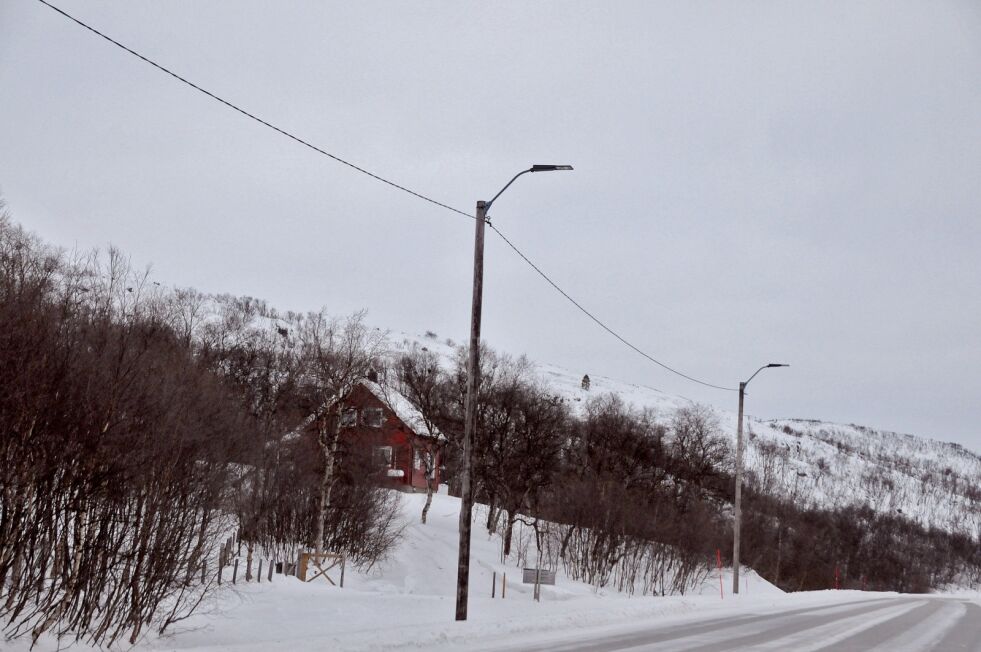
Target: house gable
{"type": "Point", "coordinates": [397, 436]}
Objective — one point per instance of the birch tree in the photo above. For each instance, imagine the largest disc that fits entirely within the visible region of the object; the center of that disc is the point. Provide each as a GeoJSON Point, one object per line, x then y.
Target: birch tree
{"type": "Point", "coordinates": [420, 378]}
{"type": "Point", "coordinates": [337, 353]}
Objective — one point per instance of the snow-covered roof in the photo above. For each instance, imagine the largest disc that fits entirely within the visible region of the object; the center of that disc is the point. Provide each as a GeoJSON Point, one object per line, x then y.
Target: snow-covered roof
{"type": "Point", "coordinates": [403, 408]}
{"type": "Point", "coordinates": [295, 432]}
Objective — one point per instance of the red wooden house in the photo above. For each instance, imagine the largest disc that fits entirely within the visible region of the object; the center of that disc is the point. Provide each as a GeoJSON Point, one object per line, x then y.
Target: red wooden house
{"type": "Point", "coordinates": [400, 441]}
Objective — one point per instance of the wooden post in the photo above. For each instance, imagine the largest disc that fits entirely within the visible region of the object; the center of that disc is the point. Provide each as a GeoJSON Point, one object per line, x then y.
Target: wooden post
{"type": "Point", "coordinates": [718, 559]}
{"type": "Point", "coordinates": [258, 575]}
{"type": "Point", "coordinates": [220, 567]}
{"type": "Point", "coordinates": [493, 583]}
{"type": "Point", "coordinates": [272, 563]}
{"type": "Point", "coordinates": [204, 570]}
{"type": "Point", "coordinates": [235, 571]}
{"type": "Point", "coordinates": [343, 564]}
{"type": "Point", "coordinates": [470, 421]}
{"type": "Point", "coordinates": [504, 585]}
{"type": "Point", "coordinates": [538, 576]}
{"type": "Point", "coordinates": [738, 511]}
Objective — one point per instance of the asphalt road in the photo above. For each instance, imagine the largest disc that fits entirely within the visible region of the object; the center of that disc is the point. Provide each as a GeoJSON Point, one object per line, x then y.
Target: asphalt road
{"type": "Point", "coordinates": [896, 624]}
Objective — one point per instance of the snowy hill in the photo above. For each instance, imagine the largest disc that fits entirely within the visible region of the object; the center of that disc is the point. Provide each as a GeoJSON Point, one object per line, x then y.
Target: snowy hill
{"type": "Point", "coordinates": [813, 463]}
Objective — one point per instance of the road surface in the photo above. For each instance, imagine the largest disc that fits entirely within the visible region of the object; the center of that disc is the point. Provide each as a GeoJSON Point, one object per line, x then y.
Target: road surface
{"type": "Point", "coordinates": [895, 624]}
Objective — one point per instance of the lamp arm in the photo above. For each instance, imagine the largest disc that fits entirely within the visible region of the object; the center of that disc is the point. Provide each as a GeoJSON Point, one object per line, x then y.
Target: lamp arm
{"type": "Point", "coordinates": [754, 375]}
{"type": "Point", "coordinates": [488, 204]}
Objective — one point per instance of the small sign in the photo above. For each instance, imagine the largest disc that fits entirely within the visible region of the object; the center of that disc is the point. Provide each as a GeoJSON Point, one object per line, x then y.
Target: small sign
{"type": "Point", "coordinates": [544, 576]}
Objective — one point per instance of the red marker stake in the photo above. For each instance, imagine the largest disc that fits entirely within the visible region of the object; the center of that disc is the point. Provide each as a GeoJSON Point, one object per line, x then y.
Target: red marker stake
{"type": "Point", "coordinates": [718, 559]}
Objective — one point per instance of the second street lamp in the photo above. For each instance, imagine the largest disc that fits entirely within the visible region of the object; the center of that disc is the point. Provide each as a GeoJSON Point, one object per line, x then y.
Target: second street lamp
{"type": "Point", "coordinates": [738, 516]}
{"type": "Point", "coordinates": [473, 385]}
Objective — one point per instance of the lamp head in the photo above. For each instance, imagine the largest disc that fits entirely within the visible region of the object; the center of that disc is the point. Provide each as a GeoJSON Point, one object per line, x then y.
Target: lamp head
{"type": "Point", "coordinates": [549, 168]}
{"type": "Point", "coordinates": [776, 364]}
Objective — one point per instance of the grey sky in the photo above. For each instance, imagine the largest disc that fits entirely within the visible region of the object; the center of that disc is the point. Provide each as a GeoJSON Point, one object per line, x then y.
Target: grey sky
{"type": "Point", "coordinates": [796, 182]}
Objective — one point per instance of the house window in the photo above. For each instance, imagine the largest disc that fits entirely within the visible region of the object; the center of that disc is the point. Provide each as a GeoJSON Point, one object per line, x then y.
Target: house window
{"type": "Point", "coordinates": [421, 459]}
{"type": "Point", "coordinates": [373, 417]}
{"type": "Point", "coordinates": [349, 418]}
{"type": "Point", "coordinates": [382, 456]}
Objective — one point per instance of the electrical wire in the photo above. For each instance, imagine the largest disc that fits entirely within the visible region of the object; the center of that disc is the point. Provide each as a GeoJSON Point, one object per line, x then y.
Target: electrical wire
{"type": "Point", "coordinates": [598, 321]}
{"type": "Point", "coordinates": [253, 116]}
{"type": "Point", "coordinates": [377, 177]}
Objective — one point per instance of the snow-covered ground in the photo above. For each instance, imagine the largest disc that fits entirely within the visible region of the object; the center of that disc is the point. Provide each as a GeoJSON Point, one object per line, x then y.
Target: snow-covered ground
{"type": "Point", "coordinates": [408, 602]}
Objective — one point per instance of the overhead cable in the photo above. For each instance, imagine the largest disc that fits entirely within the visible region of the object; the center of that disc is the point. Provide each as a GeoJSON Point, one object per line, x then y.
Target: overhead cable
{"type": "Point", "coordinates": [247, 114]}
{"type": "Point", "coordinates": [382, 179]}
{"type": "Point", "coordinates": [598, 321]}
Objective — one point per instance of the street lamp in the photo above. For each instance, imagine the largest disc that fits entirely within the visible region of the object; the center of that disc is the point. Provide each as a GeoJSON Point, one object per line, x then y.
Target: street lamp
{"type": "Point", "coordinates": [470, 423]}
{"type": "Point", "coordinates": [739, 478]}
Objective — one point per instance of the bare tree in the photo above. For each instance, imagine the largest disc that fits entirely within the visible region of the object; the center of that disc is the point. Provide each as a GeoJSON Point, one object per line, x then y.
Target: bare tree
{"type": "Point", "coordinates": [699, 456]}
{"type": "Point", "coordinates": [337, 354]}
{"type": "Point", "coordinates": [528, 456]}
{"type": "Point", "coordinates": [420, 378]}
{"type": "Point", "coordinates": [118, 452]}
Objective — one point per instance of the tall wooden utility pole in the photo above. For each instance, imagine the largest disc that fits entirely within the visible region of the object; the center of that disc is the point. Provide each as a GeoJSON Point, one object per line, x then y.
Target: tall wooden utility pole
{"type": "Point", "coordinates": [470, 424]}
{"type": "Point", "coordinates": [737, 525]}
{"type": "Point", "coordinates": [473, 387]}
{"type": "Point", "coordinates": [738, 511]}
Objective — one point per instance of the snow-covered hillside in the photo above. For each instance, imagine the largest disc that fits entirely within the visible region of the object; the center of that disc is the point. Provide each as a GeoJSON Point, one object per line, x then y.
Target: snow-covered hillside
{"type": "Point", "coordinates": [814, 463]}
{"type": "Point", "coordinates": [935, 483]}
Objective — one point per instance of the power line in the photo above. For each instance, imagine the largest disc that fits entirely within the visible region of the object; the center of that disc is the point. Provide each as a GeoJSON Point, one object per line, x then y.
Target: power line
{"type": "Point", "coordinates": [377, 177]}
{"type": "Point", "coordinates": [253, 116]}
{"type": "Point", "coordinates": [597, 320]}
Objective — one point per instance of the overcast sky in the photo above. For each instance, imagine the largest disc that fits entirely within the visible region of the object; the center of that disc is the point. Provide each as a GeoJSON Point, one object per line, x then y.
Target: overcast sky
{"type": "Point", "coordinates": [755, 182]}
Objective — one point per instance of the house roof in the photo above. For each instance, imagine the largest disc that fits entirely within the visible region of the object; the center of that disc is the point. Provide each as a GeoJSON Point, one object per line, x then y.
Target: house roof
{"type": "Point", "coordinates": [403, 408]}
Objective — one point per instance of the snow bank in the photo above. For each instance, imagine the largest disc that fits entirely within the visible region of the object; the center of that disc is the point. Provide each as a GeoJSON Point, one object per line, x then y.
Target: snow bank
{"type": "Point", "coordinates": [409, 601]}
